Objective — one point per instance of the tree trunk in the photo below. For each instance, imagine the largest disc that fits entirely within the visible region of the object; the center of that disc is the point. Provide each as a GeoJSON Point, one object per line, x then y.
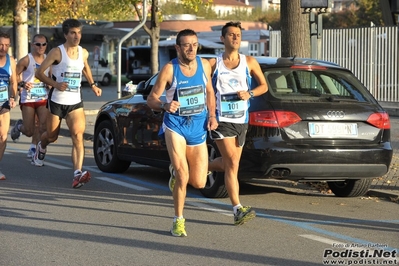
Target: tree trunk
{"type": "Point", "coordinates": [21, 28]}
{"type": "Point", "coordinates": [295, 32]}
{"type": "Point", "coordinates": [154, 33]}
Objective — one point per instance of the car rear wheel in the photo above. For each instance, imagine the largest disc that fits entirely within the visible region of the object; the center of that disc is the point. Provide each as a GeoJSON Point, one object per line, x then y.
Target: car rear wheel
{"type": "Point", "coordinates": [215, 187]}
{"type": "Point", "coordinates": [350, 187]}
{"type": "Point", "coordinates": [106, 80]}
{"type": "Point", "coordinates": [104, 149]}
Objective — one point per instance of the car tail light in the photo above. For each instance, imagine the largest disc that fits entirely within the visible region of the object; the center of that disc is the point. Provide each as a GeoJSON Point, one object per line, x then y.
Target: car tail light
{"type": "Point", "coordinates": [379, 120]}
{"type": "Point", "coordinates": [273, 118]}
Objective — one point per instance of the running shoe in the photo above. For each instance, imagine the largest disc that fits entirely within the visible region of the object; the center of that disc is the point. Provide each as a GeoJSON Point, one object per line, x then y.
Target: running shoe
{"type": "Point", "coordinates": [244, 214]}
{"type": "Point", "coordinates": [172, 179]}
{"type": "Point", "coordinates": [15, 132]}
{"type": "Point", "coordinates": [38, 157]}
{"type": "Point", "coordinates": [80, 178]}
{"type": "Point", "coordinates": [2, 176]}
{"type": "Point", "coordinates": [179, 228]}
{"type": "Point", "coordinates": [31, 152]}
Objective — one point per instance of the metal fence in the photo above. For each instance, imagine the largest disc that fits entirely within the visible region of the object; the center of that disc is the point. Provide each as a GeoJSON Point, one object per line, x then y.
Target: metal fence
{"type": "Point", "coordinates": [372, 54]}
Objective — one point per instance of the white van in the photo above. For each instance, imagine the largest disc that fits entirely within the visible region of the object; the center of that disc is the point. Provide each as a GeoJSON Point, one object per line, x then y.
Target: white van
{"type": "Point", "coordinates": [101, 72]}
{"type": "Point", "coordinates": [138, 61]}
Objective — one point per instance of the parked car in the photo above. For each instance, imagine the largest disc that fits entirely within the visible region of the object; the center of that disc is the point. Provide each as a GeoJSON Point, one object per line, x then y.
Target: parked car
{"type": "Point", "coordinates": [317, 122]}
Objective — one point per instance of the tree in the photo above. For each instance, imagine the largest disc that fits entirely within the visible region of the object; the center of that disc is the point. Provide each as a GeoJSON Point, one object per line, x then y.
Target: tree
{"type": "Point", "coordinates": [21, 28]}
{"type": "Point", "coordinates": [271, 17]}
{"type": "Point", "coordinates": [153, 32]}
{"type": "Point", "coordinates": [295, 32]}
{"type": "Point", "coordinates": [359, 14]}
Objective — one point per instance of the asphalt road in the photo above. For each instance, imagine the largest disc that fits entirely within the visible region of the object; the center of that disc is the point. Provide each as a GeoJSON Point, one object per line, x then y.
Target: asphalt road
{"type": "Point", "coordinates": [124, 219]}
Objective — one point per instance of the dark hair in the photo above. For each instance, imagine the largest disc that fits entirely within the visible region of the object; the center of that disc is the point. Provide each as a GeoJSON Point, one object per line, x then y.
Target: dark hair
{"type": "Point", "coordinates": [70, 23]}
{"type": "Point", "coordinates": [39, 35]}
{"type": "Point", "coordinates": [236, 24]}
{"type": "Point", "coordinates": [182, 33]}
{"type": "Point", "coordinates": [5, 35]}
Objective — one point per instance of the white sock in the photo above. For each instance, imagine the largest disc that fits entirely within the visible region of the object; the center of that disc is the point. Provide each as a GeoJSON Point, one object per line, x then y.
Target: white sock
{"type": "Point", "coordinates": [177, 217]}
{"type": "Point", "coordinates": [77, 172]}
{"type": "Point", "coordinates": [32, 146]}
{"type": "Point", "coordinates": [235, 208]}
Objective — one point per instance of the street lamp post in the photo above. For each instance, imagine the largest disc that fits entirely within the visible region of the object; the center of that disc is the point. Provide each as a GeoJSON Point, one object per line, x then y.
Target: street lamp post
{"type": "Point", "coordinates": [37, 16]}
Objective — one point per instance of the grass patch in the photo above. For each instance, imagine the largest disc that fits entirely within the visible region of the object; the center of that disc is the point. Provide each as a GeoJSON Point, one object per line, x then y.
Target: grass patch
{"type": "Point", "coordinates": [124, 79]}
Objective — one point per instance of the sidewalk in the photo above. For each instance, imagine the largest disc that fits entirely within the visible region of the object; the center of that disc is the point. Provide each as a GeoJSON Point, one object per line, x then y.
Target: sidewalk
{"type": "Point", "coordinates": [386, 186]}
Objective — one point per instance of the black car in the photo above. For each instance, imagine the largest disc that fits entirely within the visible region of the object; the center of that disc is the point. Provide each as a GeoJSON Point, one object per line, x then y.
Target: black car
{"type": "Point", "coordinates": [317, 122]}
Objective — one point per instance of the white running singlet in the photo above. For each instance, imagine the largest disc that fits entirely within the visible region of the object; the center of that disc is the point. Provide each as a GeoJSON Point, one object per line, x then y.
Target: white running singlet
{"type": "Point", "coordinates": [68, 70]}
{"type": "Point", "coordinates": [38, 92]}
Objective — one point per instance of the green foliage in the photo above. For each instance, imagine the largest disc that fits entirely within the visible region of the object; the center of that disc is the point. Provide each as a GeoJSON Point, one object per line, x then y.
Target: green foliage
{"type": "Point", "coordinates": [270, 17]}
{"type": "Point", "coordinates": [115, 10]}
{"type": "Point", "coordinates": [203, 11]}
{"type": "Point", "coordinates": [6, 12]}
{"type": "Point", "coordinates": [360, 14]}
{"type": "Point", "coordinates": [52, 12]}
{"type": "Point", "coordinates": [239, 14]}
{"type": "Point", "coordinates": [193, 6]}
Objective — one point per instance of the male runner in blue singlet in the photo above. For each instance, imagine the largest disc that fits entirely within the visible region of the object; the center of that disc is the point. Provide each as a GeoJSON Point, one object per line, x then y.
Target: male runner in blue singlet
{"type": "Point", "coordinates": [189, 113]}
{"type": "Point", "coordinates": [8, 91]}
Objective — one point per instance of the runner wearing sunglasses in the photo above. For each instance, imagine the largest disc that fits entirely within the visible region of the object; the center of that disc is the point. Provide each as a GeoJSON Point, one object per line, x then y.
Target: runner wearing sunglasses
{"type": "Point", "coordinates": [33, 94]}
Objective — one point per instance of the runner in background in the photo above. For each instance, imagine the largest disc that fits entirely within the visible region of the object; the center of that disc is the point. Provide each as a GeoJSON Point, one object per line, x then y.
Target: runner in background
{"type": "Point", "coordinates": [33, 94]}
{"type": "Point", "coordinates": [8, 91]}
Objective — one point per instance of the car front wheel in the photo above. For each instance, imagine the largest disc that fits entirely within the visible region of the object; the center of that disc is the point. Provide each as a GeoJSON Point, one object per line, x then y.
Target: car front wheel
{"type": "Point", "coordinates": [105, 150]}
{"type": "Point", "coordinates": [350, 187]}
{"type": "Point", "coordinates": [215, 187]}
{"type": "Point", "coordinates": [106, 80]}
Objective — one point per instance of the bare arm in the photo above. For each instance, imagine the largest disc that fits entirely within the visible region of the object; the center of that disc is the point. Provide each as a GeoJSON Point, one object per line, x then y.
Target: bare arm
{"type": "Point", "coordinates": [210, 96]}
{"type": "Point", "coordinates": [53, 57]}
{"type": "Point", "coordinates": [256, 72]}
{"type": "Point", "coordinates": [22, 65]}
{"type": "Point", "coordinates": [164, 79]}
{"type": "Point", "coordinates": [13, 83]}
{"type": "Point", "coordinates": [88, 74]}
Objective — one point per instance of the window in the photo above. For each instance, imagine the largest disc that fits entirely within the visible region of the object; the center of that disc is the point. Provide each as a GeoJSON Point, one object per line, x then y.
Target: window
{"type": "Point", "coordinates": [253, 49]}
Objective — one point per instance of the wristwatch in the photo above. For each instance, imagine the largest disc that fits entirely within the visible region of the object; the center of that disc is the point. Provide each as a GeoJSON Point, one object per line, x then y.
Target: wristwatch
{"type": "Point", "coordinates": [163, 106]}
{"type": "Point", "coordinates": [251, 93]}
{"type": "Point", "coordinates": [94, 84]}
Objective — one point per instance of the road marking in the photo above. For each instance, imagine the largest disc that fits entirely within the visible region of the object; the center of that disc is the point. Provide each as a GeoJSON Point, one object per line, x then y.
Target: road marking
{"type": "Point", "coordinates": [322, 239]}
{"type": "Point", "coordinates": [208, 207]}
{"type": "Point", "coordinates": [332, 242]}
{"type": "Point", "coordinates": [58, 166]}
{"type": "Point", "coordinates": [93, 169]}
{"type": "Point", "coordinates": [124, 184]}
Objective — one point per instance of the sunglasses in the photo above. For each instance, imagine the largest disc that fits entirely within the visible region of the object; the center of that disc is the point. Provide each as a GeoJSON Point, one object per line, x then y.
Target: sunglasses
{"type": "Point", "coordinates": [40, 44]}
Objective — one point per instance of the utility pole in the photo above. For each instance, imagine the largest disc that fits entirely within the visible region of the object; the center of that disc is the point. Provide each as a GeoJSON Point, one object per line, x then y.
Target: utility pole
{"type": "Point", "coordinates": [316, 8]}
{"type": "Point", "coordinates": [37, 16]}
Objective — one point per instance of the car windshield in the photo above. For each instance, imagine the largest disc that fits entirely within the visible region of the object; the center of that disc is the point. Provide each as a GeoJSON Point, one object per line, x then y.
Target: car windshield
{"type": "Point", "coordinates": [316, 84]}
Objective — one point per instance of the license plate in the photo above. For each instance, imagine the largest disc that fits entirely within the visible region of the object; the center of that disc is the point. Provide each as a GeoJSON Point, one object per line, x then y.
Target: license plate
{"type": "Point", "coordinates": [333, 129]}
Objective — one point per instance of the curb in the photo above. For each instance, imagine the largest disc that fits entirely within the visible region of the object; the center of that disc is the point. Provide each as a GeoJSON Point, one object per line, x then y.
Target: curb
{"type": "Point", "coordinates": [91, 112]}
{"type": "Point", "coordinates": [382, 194]}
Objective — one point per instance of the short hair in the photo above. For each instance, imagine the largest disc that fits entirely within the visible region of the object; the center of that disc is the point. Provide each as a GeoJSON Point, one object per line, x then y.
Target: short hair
{"type": "Point", "coordinates": [236, 24]}
{"type": "Point", "coordinates": [39, 35]}
{"type": "Point", "coordinates": [5, 35]}
{"type": "Point", "coordinates": [70, 23]}
{"type": "Point", "coordinates": [182, 33]}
